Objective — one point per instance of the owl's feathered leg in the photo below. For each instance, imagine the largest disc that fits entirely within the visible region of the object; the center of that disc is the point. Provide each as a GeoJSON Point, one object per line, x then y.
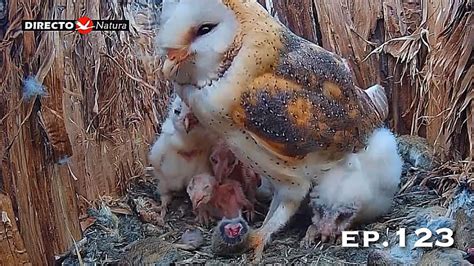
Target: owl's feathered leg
{"type": "Point", "coordinates": [273, 205]}
{"type": "Point", "coordinates": [285, 203]}
{"type": "Point", "coordinates": [280, 217]}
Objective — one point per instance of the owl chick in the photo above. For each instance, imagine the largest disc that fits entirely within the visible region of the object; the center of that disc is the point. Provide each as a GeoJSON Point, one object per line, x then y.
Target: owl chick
{"type": "Point", "coordinates": [285, 106]}
{"type": "Point", "coordinates": [213, 200]}
{"type": "Point", "coordinates": [230, 236]}
{"type": "Point", "coordinates": [181, 152]}
{"type": "Point", "coordinates": [226, 165]}
{"type": "Point", "coordinates": [417, 151]}
{"type": "Point", "coordinates": [357, 190]}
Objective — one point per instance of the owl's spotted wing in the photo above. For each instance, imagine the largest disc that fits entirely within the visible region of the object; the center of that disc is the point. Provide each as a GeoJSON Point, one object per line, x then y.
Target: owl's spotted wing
{"type": "Point", "coordinates": [307, 104]}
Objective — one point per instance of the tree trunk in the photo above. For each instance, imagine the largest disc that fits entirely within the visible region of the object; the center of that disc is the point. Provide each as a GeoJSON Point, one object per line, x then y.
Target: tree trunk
{"type": "Point", "coordinates": [91, 132]}
{"type": "Point", "coordinates": [12, 249]}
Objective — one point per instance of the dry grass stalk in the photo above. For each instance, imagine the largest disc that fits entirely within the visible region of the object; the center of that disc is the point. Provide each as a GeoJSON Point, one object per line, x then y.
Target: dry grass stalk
{"type": "Point", "coordinates": [12, 248]}
{"type": "Point", "coordinates": [447, 178]}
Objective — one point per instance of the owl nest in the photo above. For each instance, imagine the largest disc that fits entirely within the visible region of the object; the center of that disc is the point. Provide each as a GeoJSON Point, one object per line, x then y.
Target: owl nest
{"type": "Point", "coordinates": [124, 231]}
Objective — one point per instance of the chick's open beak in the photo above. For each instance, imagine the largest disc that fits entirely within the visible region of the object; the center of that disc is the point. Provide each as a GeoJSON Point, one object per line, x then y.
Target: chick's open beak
{"type": "Point", "coordinates": [233, 230]}
{"type": "Point", "coordinates": [174, 57]}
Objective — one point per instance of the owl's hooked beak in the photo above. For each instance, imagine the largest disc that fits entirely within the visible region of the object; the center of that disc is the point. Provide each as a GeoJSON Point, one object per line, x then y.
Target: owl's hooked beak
{"type": "Point", "coordinates": [175, 56]}
{"type": "Point", "coordinates": [190, 121]}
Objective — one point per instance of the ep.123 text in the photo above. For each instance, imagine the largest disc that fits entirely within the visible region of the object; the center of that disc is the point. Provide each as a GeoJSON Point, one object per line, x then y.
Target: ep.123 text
{"type": "Point", "coordinates": [444, 238]}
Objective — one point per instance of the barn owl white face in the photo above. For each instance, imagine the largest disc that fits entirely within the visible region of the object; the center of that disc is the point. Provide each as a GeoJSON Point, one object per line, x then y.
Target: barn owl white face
{"type": "Point", "coordinates": [167, 9]}
{"type": "Point", "coordinates": [195, 35]}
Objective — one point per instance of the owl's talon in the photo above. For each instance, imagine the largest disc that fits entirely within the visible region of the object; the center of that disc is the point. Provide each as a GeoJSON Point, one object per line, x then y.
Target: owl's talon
{"type": "Point", "coordinates": [307, 242]}
{"type": "Point", "coordinates": [309, 239]}
{"type": "Point", "coordinates": [324, 238]}
{"type": "Point", "coordinates": [203, 218]}
{"type": "Point", "coordinates": [160, 220]}
{"type": "Point", "coordinates": [163, 211]}
{"type": "Point", "coordinates": [313, 233]}
{"type": "Point", "coordinates": [257, 244]}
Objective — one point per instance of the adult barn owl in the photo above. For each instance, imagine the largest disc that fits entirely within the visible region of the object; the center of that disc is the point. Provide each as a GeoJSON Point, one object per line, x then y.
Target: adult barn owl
{"type": "Point", "coordinates": [286, 107]}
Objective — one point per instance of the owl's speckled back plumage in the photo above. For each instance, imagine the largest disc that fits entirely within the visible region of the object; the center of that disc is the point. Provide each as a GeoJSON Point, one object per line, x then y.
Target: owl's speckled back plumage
{"type": "Point", "coordinates": [308, 104]}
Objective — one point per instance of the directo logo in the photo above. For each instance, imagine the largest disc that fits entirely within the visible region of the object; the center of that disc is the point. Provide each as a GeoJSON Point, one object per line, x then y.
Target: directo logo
{"type": "Point", "coordinates": [83, 25]}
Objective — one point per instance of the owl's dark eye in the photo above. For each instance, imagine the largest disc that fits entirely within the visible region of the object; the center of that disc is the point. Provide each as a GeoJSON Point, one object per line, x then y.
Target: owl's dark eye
{"type": "Point", "coordinates": [177, 112]}
{"type": "Point", "coordinates": [205, 29]}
